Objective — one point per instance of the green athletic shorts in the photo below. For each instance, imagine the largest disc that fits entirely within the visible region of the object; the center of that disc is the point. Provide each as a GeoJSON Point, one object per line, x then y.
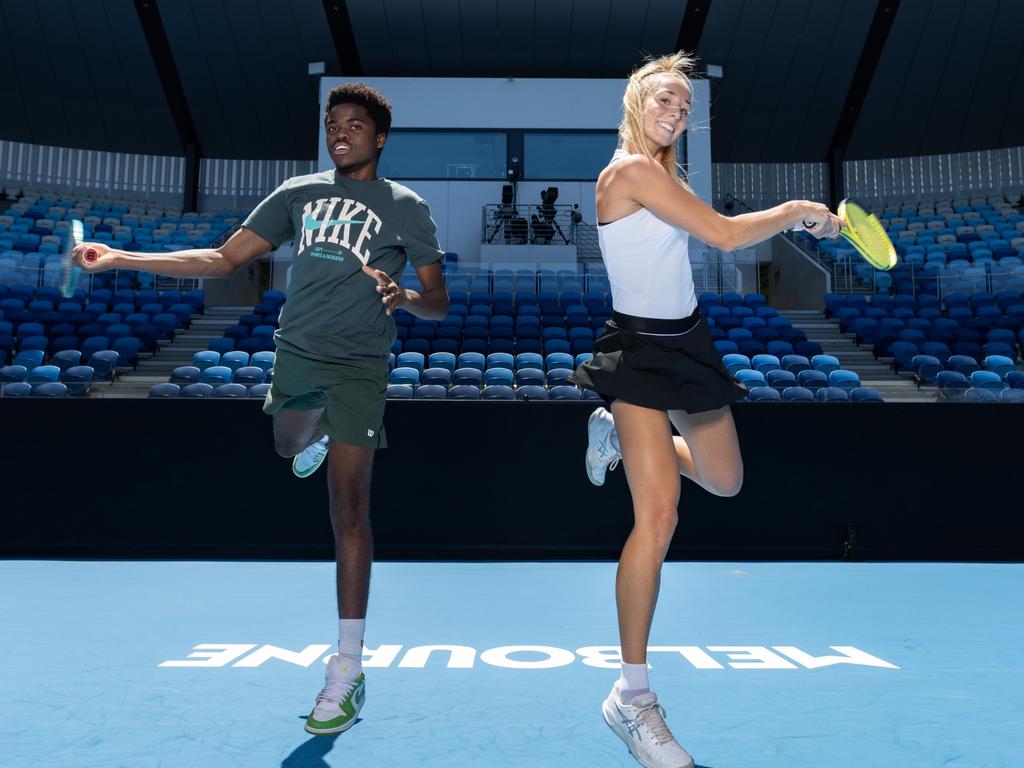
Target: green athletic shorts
{"type": "Point", "coordinates": [352, 396]}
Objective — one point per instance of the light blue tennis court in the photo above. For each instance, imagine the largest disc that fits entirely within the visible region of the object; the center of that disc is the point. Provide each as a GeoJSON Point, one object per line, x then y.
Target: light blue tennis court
{"type": "Point", "coordinates": [767, 664]}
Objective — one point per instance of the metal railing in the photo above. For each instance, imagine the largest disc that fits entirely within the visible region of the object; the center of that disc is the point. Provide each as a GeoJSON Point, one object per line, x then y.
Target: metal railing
{"type": "Point", "coordinates": [528, 225]}
{"type": "Point", "coordinates": [841, 272]}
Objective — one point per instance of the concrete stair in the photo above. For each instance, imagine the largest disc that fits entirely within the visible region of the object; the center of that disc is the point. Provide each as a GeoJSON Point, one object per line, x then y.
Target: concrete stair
{"type": "Point", "coordinates": [874, 373]}
{"type": "Point", "coordinates": [155, 369]}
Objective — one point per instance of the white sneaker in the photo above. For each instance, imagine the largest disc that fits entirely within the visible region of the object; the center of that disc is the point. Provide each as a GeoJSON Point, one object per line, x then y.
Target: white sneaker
{"type": "Point", "coordinates": [602, 446]}
{"type": "Point", "coordinates": [307, 462]}
{"type": "Point", "coordinates": [338, 704]}
{"type": "Point", "coordinates": [641, 724]}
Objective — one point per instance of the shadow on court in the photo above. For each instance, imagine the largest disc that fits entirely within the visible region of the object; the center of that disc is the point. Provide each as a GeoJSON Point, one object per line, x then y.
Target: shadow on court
{"type": "Point", "coordinates": [310, 754]}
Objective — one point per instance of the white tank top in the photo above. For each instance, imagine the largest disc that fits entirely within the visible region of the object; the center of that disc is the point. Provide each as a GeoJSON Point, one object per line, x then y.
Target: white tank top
{"type": "Point", "coordinates": [648, 265]}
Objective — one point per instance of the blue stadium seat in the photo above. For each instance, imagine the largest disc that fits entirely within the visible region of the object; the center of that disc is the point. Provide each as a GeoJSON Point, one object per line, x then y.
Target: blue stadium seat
{"type": "Point", "coordinates": [78, 379]}
{"type": "Point", "coordinates": [471, 376]}
{"type": "Point", "coordinates": [411, 360]}
{"type": "Point", "coordinates": [498, 376]}
{"type": "Point", "coordinates": [43, 374]}
{"type": "Point", "coordinates": [925, 369]}
{"type": "Point", "coordinates": [831, 394]}
{"type": "Point", "coordinates": [807, 349]}
{"type": "Point", "coordinates": [564, 392]}
{"type": "Point", "coordinates": [165, 389]}
{"type": "Point", "coordinates": [184, 375]}
{"type": "Point", "coordinates": [529, 360]}
{"type": "Point", "coordinates": [825, 363]}
{"type": "Point", "coordinates": [999, 364]}
{"type": "Point", "coordinates": [527, 377]}
{"type": "Point", "coordinates": [902, 353]}
{"type": "Point", "coordinates": [750, 378]}
{"type": "Point", "coordinates": [866, 395]}
{"type": "Point", "coordinates": [443, 360]}
{"type": "Point", "coordinates": [763, 394]}
{"type": "Point", "coordinates": [405, 375]}
{"type": "Point", "coordinates": [779, 349]}
{"type": "Point", "coordinates": [30, 358]}
{"type": "Point", "coordinates": [557, 377]}
{"type": "Point", "coordinates": [531, 393]}
{"type": "Point", "coordinates": [249, 375]}
{"type": "Point", "coordinates": [780, 379]}
{"type": "Point", "coordinates": [975, 395]}
{"type": "Point", "coordinates": [558, 360]}
{"type": "Point", "coordinates": [764, 363]}
{"type": "Point", "coordinates": [987, 380]}
{"type": "Point", "coordinates": [436, 376]}
{"type": "Point", "coordinates": [234, 359]}
{"type": "Point", "coordinates": [735, 362]}
{"type": "Point", "coordinates": [962, 364]}
{"type": "Point", "coordinates": [205, 359]}
{"type": "Point", "coordinates": [221, 344]}
{"type": "Point", "coordinates": [590, 394]}
{"type": "Point", "coordinates": [843, 379]}
{"type": "Point", "coordinates": [264, 360]}
{"type": "Point", "coordinates": [431, 392]}
{"type": "Point", "coordinates": [951, 384]}
{"type": "Point", "coordinates": [464, 392]}
{"type": "Point", "coordinates": [811, 379]}
{"type": "Point", "coordinates": [501, 360]}
{"type": "Point", "coordinates": [40, 343]}
{"type": "Point", "coordinates": [50, 389]}
{"type": "Point", "coordinates": [1015, 379]}
{"type": "Point", "coordinates": [258, 391]}
{"type": "Point", "coordinates": [16, 389]}
{"type": "Point", "coordinates": [1011, 396]}
{"type": "Point", "coordinates": [215, 375]}
{"type": "Point", "coordinates": [103, 362]}
{"type": "Point", "coordinates": [66, 358]}
{"type": "Point", "coordinates": [795, 363]}
{"type": "Point", "coordinates": [399, 392]}
{"type": "Point", "coordinates": [498, 392]}
{"type": "Point", "coordinates": [197, 390]}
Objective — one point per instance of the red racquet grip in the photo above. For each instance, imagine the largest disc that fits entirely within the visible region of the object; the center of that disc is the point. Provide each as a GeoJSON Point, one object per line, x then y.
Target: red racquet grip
{"type": "Point", "coordinates": [90, 255]}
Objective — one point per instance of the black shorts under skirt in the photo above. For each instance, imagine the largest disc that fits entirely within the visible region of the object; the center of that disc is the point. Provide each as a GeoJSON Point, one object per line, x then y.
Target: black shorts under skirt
{"type": "Point", "coordinates": [682, 371]}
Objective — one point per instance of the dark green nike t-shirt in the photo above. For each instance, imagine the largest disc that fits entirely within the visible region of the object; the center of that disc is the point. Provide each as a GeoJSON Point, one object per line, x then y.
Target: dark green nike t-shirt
{"type": "Point", "coordinates": [333, 312]}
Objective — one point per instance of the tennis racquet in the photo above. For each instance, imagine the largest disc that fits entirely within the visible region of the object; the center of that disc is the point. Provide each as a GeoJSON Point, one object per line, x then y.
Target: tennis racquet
{"type": "Point", "coordinates": [69, 271]}
{"type": "Point", "coordinates": [864, 232]}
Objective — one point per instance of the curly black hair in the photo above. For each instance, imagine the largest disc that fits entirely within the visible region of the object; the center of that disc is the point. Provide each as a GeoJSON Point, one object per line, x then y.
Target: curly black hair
{"type": "Point", "coordinates": [376, 105]}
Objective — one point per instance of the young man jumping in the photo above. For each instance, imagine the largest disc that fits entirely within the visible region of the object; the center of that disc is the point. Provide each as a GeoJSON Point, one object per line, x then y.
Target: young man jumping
{"type": "Point", "coordinates": [352, 232]}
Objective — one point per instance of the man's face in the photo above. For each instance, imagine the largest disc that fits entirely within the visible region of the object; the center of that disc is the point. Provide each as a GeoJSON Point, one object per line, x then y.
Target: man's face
{"type": "Point", "coordinates": [352, 139]}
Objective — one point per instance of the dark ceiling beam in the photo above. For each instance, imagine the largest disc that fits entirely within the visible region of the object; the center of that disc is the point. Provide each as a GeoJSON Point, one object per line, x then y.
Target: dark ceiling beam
{"type": "Point", "coordinates": [344, 38]}
{"type": "Point", "coordinates": [871, 54]}
{"type": "Point", "coordinates": [174, 91]}
{"type": "Point", "coordinates": [692, 25]}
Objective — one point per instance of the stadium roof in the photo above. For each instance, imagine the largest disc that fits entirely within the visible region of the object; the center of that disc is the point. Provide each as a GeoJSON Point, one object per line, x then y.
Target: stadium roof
{"type": "Point", "coordinates": [801, 77]}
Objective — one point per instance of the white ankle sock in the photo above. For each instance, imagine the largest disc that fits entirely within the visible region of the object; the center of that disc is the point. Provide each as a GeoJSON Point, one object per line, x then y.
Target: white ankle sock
{"type": "Point", "coordinates": [350, 645]}
{"type": "Point", "coordinates": [633, 681]}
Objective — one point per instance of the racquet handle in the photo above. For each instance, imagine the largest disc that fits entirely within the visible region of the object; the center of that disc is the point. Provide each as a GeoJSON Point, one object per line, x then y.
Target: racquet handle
{"type": "Point", "coordinates": [90, 255]}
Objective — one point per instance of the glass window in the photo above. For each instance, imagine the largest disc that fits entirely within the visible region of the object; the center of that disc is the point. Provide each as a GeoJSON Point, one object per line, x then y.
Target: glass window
{"type": "Point", "coordinates": [567, 155]}
{"type": "Point", "coordinates": [439, 155]}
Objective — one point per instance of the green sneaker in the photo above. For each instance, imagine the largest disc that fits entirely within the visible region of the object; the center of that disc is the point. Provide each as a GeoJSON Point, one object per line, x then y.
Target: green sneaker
{"type": "Point", "coordinates": [309, 461]}
{"type": "Point", "coordinates": [335, 710]}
